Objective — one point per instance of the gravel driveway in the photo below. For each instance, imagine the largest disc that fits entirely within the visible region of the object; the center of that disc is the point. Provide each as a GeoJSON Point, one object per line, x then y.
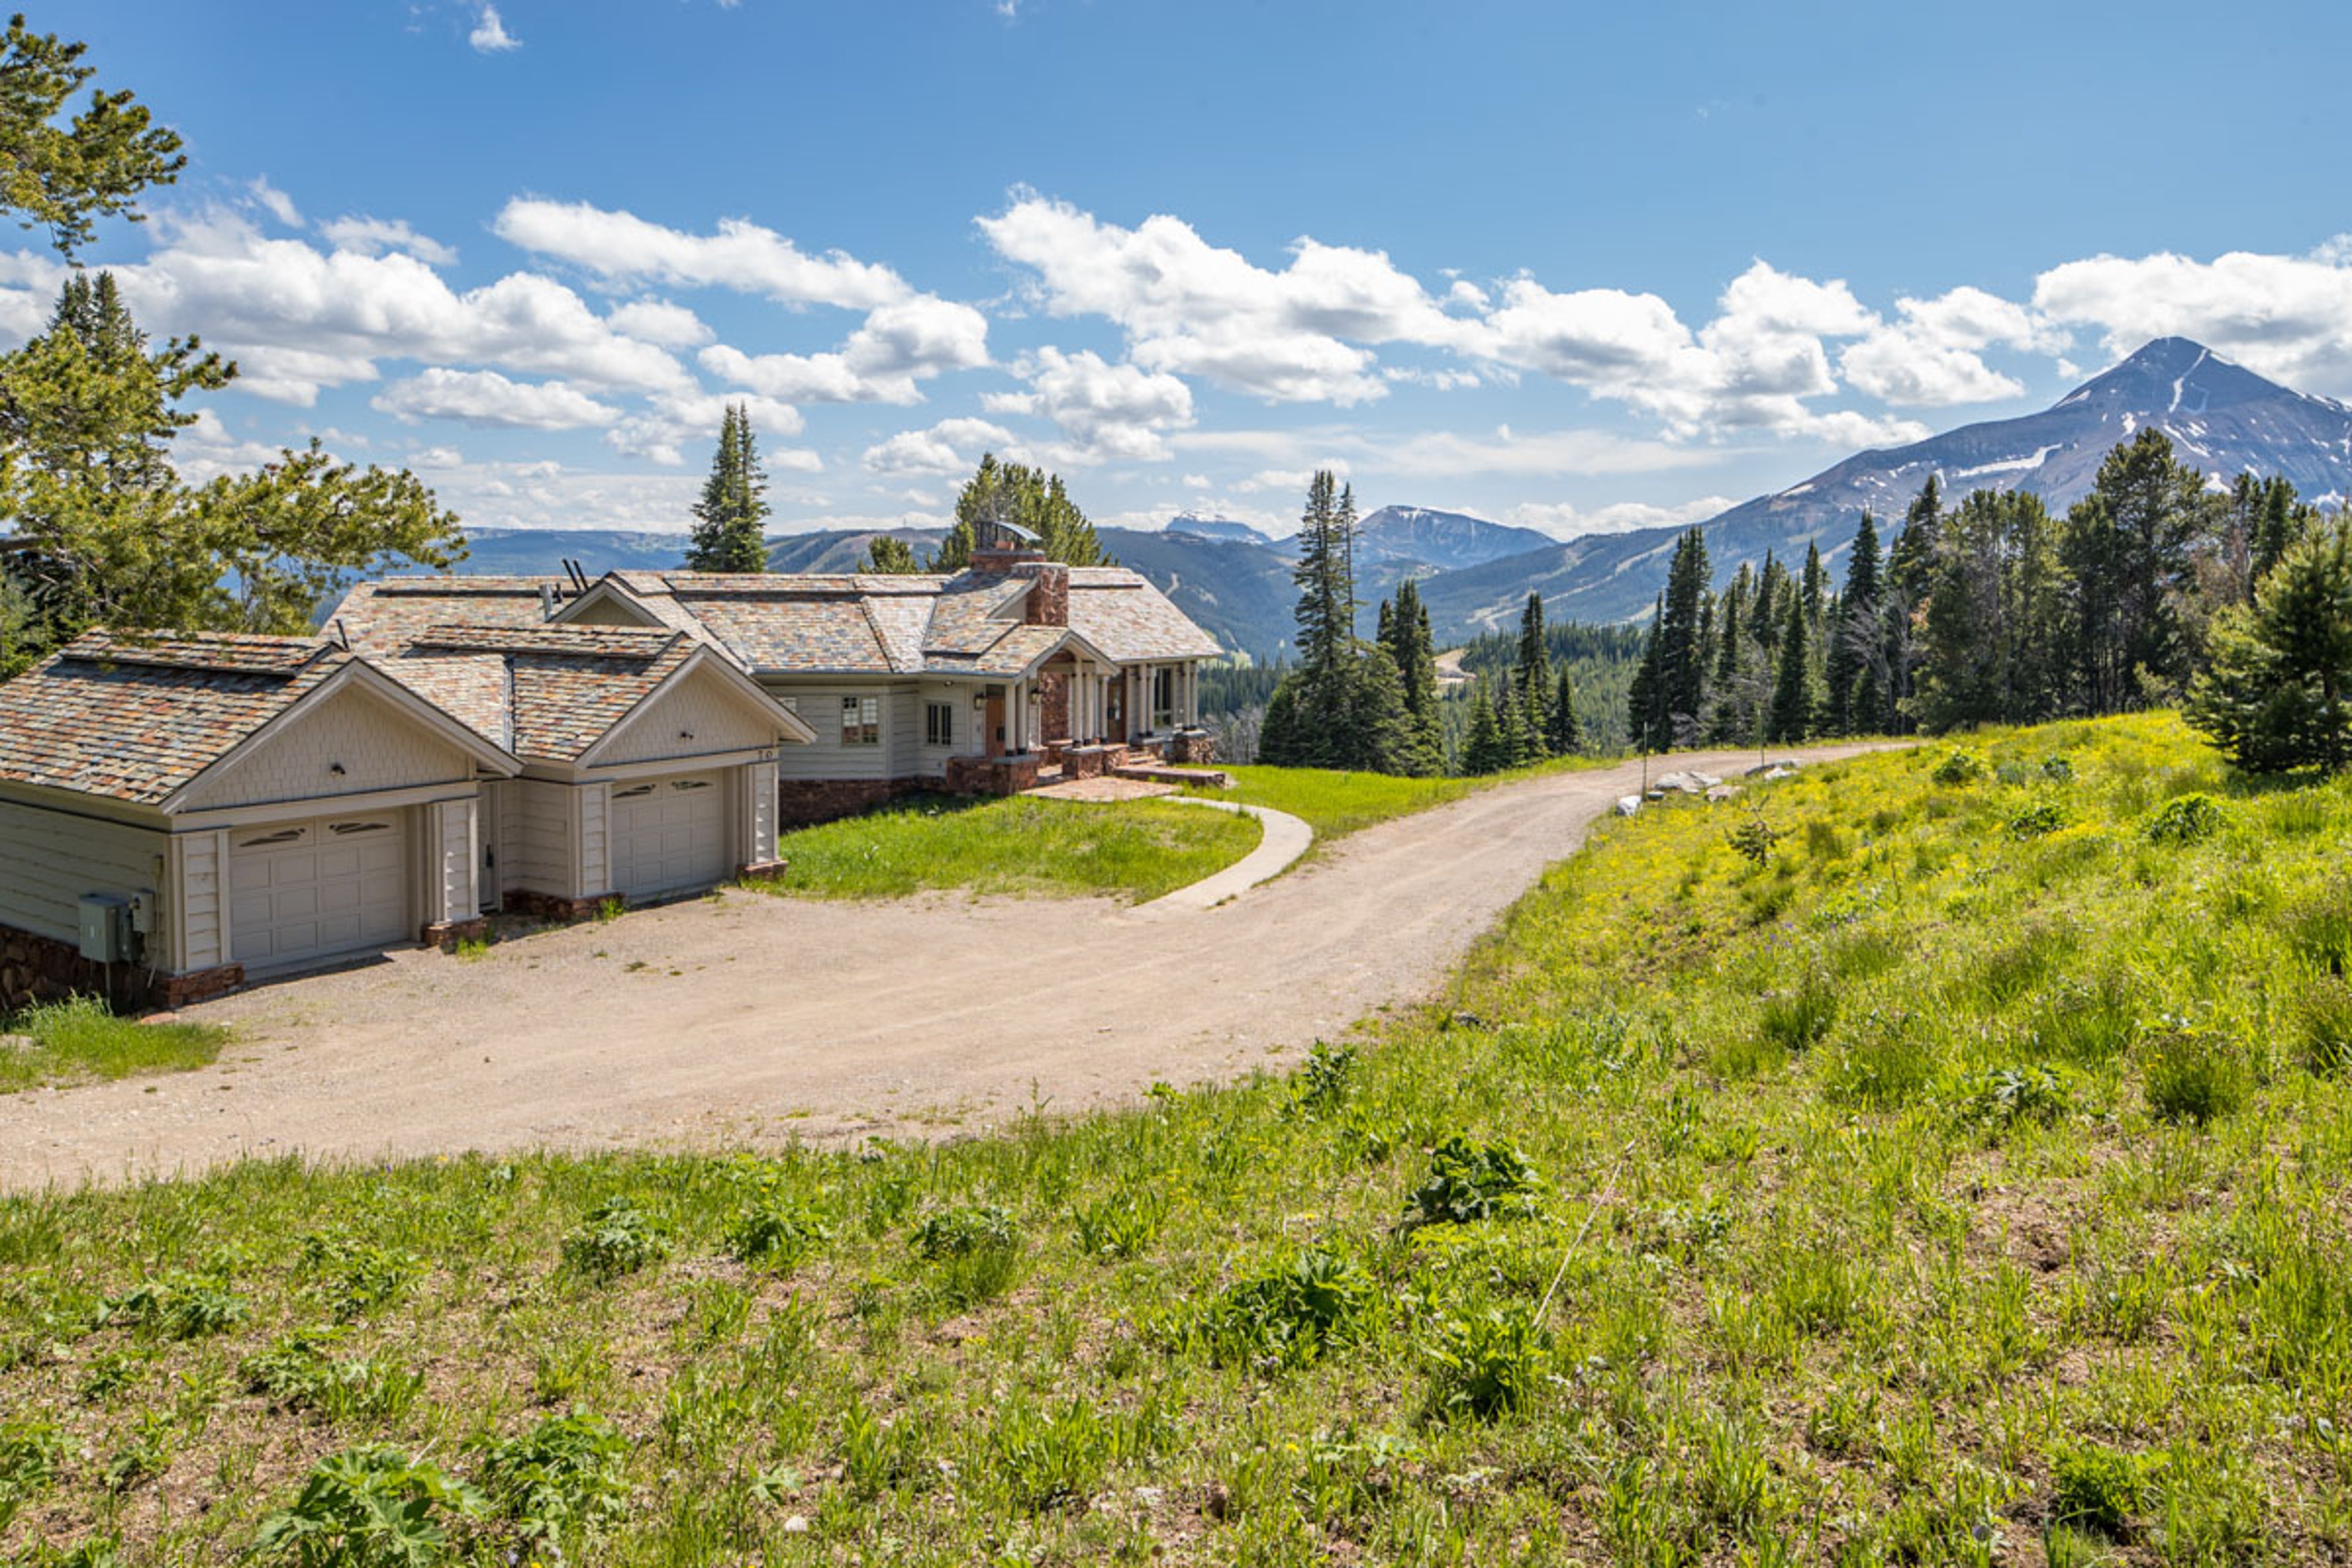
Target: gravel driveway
{"type": "Point", "coordinates": [757, 1019]}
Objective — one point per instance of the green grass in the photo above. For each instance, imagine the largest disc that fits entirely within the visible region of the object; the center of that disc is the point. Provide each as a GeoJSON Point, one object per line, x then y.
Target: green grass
{"type": "Point", "coordinates": [78, 1040]}
{"type": "Point", "coordinates": [1338, 804]}
{"type": "Point", "coordinates": [1133, 850]}
{"type": "Point", "coordinates": [1959, 1183]}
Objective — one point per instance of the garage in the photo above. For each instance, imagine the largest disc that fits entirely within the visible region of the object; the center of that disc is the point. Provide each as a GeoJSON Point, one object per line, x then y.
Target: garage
{"type": "Point", "coordinates": [669, 835]}
{"type": "Point", "coordinates": [304, 892]}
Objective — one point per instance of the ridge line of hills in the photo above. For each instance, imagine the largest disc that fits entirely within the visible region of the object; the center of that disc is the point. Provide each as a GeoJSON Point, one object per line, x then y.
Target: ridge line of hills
{"type": "Point", "coordinates": [1475, 574]}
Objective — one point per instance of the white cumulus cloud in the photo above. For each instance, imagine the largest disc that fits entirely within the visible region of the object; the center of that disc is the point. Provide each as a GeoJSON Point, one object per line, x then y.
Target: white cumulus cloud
{"type": "Point", "coordinates": [950, 447]}
{"type": "Point", "coordinates": [486, 398]}
{"type": "Point", "coordinates": [375, 237]}
{"type": "Point", "coordinates": [489, 36]}
{"type": "Point", "coordinates": [1114, 412]}
{"type": "Point", "coordinates": [2286, 317]}
{"type": "Point", "coordinates": [621, 247]}
{"type": "Point", "coordinates": [900, 345]}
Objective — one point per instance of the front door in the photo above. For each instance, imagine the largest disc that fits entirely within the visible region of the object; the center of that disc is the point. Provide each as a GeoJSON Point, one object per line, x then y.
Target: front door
{"type": "Point", "coordinates": [996, 720]}
{"type": "Point", "coordinates": [1115, 710]}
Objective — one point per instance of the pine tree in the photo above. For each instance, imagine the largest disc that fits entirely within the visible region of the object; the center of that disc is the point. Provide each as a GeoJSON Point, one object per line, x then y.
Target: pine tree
{"type": "Point", "coordinates": [1645, 706]}
{"type": "Point", "coordinates": [888, 556]}
{"type": "Point", "coordinates": [2278, 693]}
{"type": "Point", "coordinates": [1405, 629]}
{"type": "Point", "coordinates": [1854, 655]}
{"type": "Point", "coordinates": [1511, 715]}
{"type": "Point", "coordinates": [1791, 715]}
{"type": "Point", "coordinates": [1027, 497]}
{"type": "Point", "coordinates": [726, 535]}
{"type": "Point", "coordinates": [1566, 731]}
{"type": "Point", "coordinates": [1535, 660]}
{"type": "Point", "coordinates": [1682, 669]}
{"type": "Point", "coordinates": [1485, 750]}
{"type": "Point", "coordinates": [1535, 719]}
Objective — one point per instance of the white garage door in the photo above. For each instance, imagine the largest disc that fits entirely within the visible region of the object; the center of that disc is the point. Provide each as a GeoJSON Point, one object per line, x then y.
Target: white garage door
{"type": "Point", "coordinates": [313, 890]}
{"type": "Point", "coordinates": [669, 835]}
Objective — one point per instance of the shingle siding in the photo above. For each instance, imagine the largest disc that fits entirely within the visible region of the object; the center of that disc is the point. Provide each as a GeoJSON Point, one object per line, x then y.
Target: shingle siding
{"type": "Point", "coordinates": [376, 747]}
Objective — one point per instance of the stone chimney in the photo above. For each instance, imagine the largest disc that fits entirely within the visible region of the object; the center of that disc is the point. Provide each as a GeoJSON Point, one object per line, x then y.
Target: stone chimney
{"type": "Point", "coordinates": [1049, 593]}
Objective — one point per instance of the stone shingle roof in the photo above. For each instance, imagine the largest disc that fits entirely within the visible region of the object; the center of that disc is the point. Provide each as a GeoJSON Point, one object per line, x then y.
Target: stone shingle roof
{"type": "Point", "coordinates": [136, 719]}
{"type": "Point", "coordinates": [547, 693]}
{"type": "Point", "coordinates": [831, 623]}
{"type": "Point", "coordinates": [384, 616]}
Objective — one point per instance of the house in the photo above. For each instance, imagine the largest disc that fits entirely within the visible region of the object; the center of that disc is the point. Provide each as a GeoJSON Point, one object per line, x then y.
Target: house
{"type": "Point", "coordinates": [974, 681]}
{"type": "Point", "coordinates": [181, 815]}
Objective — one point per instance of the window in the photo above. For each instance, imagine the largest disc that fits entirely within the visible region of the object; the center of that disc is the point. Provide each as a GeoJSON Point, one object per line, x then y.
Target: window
{"type": "Point", "coordinates": [1164, 698]}
{"type": "Point", "coordinates": [861, 721]}
{"type": "Point", "coordinates": [939, 724]}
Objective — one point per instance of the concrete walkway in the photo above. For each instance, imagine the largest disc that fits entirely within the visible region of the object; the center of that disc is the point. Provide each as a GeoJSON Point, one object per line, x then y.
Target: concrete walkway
{"type": "Point", "coordinates": [1285, 838]}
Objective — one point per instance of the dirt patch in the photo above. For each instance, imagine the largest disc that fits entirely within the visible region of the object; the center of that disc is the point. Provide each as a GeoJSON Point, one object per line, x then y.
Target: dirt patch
{"type": "Point", "coordinates": [753, 1019]}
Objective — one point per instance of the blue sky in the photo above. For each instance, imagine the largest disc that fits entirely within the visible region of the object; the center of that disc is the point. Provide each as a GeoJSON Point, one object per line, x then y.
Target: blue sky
{"type": "Point", "coordinates": [1582, 268]}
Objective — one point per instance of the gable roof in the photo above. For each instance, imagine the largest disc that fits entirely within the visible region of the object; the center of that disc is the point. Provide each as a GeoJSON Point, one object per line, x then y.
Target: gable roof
{"type": "Point", "coordinates": [969, 623]}
{"type": "Point", "coordinates": [384, 616]}
{"type": "Point", "coordinates": [553, 692]}
{"type": "Point", "coordinates": [139, 719]}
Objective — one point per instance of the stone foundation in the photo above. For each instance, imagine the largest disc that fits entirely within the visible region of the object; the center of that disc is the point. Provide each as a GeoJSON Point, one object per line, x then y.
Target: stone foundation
{"type": "Point", "coordinates": [991, 775]}
{"type": "Point", "coordinates": [562, 912]}
{"type": "Point", "coordinates": [1191, 748]}
{"type": "Point", "coordinates": [801, 801]}
{"type": "Point", "coordinates": [447, 935]}
{"type": "Point", "coordinates": [1087, 762]}
{"type": "Point", "coordinates": [35, 968]}
{"type": "Point", "coordinates": [1053, 703]}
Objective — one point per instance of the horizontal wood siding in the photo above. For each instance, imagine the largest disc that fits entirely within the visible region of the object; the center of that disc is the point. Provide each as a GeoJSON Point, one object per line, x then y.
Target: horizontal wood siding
{"type": "Point", "coordinates": [826, 758]}
{"type": "Point", "coordinates": [538, 842]}
{"type": "Point", "coordinates": [595, 838]}
{"type": "Point", "coordinates": [199, 888]}
{"type": "Point", "coordinates": [700, 718]}
{"type": "Point", "coordinates": [48, 859]}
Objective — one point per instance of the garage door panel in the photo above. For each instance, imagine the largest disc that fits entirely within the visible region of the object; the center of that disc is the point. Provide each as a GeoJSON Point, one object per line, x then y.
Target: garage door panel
{"type": "Point", "coordinates": [317, 890]}
{"type": "Point", "coordinates": [669, 835]}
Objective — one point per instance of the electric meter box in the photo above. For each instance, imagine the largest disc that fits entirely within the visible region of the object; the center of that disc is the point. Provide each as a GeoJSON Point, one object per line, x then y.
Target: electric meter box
{"type": "Point", "coordinates": [105, 928]}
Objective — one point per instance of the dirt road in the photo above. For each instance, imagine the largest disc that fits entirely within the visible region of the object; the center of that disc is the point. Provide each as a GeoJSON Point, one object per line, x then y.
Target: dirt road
{"type": "Point", "coordinates": [764, 1019]}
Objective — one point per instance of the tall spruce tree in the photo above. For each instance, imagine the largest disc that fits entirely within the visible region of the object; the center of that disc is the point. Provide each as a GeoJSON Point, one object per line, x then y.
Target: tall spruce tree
{"type": "Point", "coordinates": [1856, 653]}
{"type": "Point", "coordinates": [1566, 733]}
{"type": "Point", "coordinates": [726, 535]}
{"type": "Point", "coordinates": [2278, 693]}
{"type": "Point", "coordinates": [1790, 718]}
{"type": "Point", "coordinates": [1405, 634]}
{"type": "Point", "coordinates": [1646, 718]}
{"type": "Point", "coordinates": [1484, 749]}
{"type": "Point", "coordinates": [1681, 642]}
{"type": "Point", "coordinates": [2127, 545]}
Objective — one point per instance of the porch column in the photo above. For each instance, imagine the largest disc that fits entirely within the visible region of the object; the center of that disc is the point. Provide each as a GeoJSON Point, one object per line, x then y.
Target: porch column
{"type": "Point", "coordinates": [1016, 717]}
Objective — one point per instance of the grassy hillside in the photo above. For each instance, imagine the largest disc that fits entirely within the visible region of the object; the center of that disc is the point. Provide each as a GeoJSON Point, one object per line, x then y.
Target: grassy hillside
{"type": "Point", "coordinates": [1946, 1161]}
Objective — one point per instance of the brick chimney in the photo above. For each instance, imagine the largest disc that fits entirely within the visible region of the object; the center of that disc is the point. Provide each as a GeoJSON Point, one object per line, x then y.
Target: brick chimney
{"type": "Point", "coordinates": [1049, 593]}
{"type": "Point", "coordinates": [999, 546]}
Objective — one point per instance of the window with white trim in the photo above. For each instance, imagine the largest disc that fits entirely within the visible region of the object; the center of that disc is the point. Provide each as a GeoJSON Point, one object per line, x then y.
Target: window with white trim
{"type": "Point", "coordinates": [939, 723]}
{"type": "Point", "coordinates": [861, 721]}
{"type": "Point", "coordinates": [1164, 698]}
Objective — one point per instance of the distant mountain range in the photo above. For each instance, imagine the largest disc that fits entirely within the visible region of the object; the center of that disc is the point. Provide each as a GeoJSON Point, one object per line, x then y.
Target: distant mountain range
{"type": "Point", "coordinates": [1476, 575]}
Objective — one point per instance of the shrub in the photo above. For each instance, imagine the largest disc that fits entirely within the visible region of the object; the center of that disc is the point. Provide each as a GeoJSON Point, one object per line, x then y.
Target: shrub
{"type": "Point", "coordinates": [176, 1307]}
{"type": "Point", "coordinates": [371, 1507]}
{"type": "Point", "coordinates": [1487, 1363]}
{"type": "Point", "coordinates": [2096, 1487]}
{"type": "Point", "coordinates": [616, 1237]}
{"type": "Point", "coordinates": [1997, 1099]}
{"type": "Point", "coordinates": [961, 1232]}
{"type": "Point", "coordinates": [778, 1232]}
{"type": "Point", "coordinates": [2184, 819]}
{"type": "Point", "coordinates": [1121, 1224]}
{"type": "Point", "coordinates": [1961, 765]}
{"type": "Point", "coordinates": [558, 1484]}
{"type": "Point", "coordinates": [1755, 838]}
{"type": "Point", "coordinates": [1469, 1182]}
{"type": "Point", "coordinates": [1326, 1078]}
{"type": "Point", "coordinates": [1288, 1314]}
{"type": "Point", "coordinates": [2194, 1074]}
{"type": "Point", "coordinates": [2037, 817]}
{"type": "Point", "coordinates": [350, 1277]}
